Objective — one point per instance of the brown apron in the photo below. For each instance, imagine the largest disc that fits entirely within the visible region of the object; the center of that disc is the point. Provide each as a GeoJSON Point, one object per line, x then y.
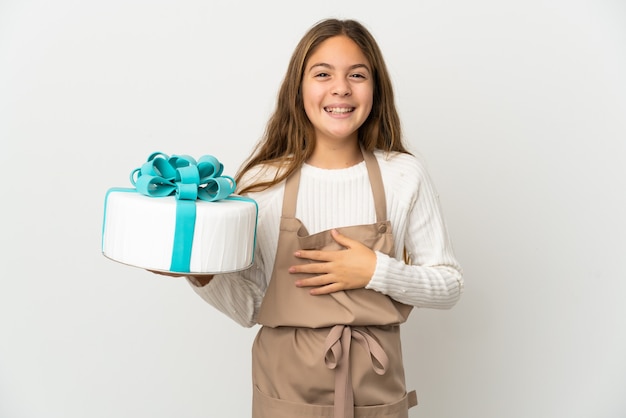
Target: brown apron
{"type": "Point", "coordinates": [336, 355]}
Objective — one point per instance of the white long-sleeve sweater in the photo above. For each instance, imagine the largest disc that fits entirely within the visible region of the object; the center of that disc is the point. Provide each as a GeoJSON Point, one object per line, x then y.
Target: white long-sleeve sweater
{"type": "Point", "coordinates": [343, 197]}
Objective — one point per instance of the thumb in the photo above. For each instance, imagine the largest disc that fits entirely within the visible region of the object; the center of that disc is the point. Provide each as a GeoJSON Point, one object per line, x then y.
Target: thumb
{"type": "Point", "coordinates": [342, 239]}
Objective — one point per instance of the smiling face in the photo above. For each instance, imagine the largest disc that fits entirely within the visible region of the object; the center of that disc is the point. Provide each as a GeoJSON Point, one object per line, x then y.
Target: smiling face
{"type": "Point", "coordinates": [337, 91]}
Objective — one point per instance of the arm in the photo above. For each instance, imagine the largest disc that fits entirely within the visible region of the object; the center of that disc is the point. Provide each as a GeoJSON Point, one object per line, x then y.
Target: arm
{"type": "Point", "coordinates": [200, 281]}
{"type": "Point", "coordinates": [237, 295]}
{"type": "Point", "coordinates": [433, 278]}
{"type": "Point", "coordinates": [429, 286]}
{"type": "Point", "coordinates": [433, 286]}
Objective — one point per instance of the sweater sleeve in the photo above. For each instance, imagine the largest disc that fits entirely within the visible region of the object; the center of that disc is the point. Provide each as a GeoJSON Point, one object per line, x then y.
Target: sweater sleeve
{"type": "Point", "coordinates": [433, 278]}
{"type": "Point", "coordinates": [237, 295]}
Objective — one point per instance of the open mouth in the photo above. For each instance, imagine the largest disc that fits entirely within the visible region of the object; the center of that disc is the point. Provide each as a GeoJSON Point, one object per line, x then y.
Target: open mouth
{"type": "Point", "coordinates": [339, 110]}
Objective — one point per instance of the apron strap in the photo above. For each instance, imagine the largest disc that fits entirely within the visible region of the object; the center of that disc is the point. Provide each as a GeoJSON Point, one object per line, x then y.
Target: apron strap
{"type": "Point", "coordinates": [337, 357]}
{"type": "Point", "coordinates": [376, 182]}
{"type": "Point", "coordinates": [291, 195]}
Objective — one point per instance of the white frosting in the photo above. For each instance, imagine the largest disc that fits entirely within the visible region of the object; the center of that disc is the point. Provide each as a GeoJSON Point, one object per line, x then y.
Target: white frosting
{"type": "Point", "coordinates": [139, 231]}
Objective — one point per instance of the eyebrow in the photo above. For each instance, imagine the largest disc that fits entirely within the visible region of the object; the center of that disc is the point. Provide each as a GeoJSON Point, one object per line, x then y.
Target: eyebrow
{"type": "Point", "coordinates": [325, 65]}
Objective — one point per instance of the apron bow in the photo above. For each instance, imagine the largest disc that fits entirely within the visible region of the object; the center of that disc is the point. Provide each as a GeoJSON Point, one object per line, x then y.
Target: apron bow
{"type": "Point", "coordinates": [337, 357]}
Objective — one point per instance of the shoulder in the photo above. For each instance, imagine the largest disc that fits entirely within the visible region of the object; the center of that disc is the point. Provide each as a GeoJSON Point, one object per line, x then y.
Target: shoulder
{"type": "Point", "coordinates": [260, 174]}
{"type": "Point", "coordinates": [401, 167]}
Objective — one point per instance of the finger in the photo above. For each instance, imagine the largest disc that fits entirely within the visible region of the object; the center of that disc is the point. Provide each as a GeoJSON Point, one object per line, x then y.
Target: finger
{"type": "Point", "coordinates": [165, 273]}
{"type": "Point", "coordinates": [320, 285]}
{"type": "Point", "coordinates": [342, 239]}
{"type": "Point", "coordinates": [315, 255]}
{"type": "Point", "coordinates": [325, 290]}
{"type": "Point", "coordinates": [321, 280]}
{"type": "Point", "coordinates": [316, 268]}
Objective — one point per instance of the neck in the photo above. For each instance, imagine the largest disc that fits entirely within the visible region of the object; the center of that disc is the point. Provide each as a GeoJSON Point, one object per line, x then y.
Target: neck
{"type": "Point", "coordinates": [336, 156]}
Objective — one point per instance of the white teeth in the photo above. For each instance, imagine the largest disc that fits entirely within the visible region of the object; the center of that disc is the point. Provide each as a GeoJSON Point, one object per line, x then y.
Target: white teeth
{"type": "Point", "coordinates": [339, 109]}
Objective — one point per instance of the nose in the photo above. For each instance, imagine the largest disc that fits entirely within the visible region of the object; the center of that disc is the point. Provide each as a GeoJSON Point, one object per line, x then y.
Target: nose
{"type": "Point", "coordinates": [341, 88]}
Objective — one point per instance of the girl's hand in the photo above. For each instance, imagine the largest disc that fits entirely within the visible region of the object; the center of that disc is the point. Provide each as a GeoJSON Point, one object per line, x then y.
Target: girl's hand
{"type": "Point", "coordinates": [199, 280]}
{"type": "Point", "coordinates": [351, 268]}
{"type": "Point", "coordinates": [166, 273]}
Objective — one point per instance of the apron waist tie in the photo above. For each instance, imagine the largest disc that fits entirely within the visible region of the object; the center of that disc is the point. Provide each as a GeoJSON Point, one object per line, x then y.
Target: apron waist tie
{"type": "Point", "coordinates": [337, 357]}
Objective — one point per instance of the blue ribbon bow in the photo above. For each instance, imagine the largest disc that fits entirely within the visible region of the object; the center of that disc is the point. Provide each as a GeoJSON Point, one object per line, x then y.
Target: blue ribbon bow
{"type": "Point", "coordinates": [182, 176]}
{"type": "Point", "coordinates": [188, 180]}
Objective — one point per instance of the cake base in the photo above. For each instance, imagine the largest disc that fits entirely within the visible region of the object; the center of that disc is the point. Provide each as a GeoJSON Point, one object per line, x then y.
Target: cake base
{"type": "Point", "coordinates": [139, 231]}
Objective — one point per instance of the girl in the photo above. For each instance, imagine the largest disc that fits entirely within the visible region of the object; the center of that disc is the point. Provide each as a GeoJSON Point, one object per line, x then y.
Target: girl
{"type": "Point", "coordinates": [350, 238]}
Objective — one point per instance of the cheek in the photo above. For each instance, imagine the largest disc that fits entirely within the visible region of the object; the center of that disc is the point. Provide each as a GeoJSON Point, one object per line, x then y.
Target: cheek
{"type": "Point", "coordinates": [364, 93]}
{"type": "Point", "coordinates": [310, 93]}
{"type": "Point", "coordinates": [306, 101]}
{"type": "Point", "coordinates": [311, 98]}
{"type": "Point", "coordinates": [367, 103]}
{"type": "Point", "coordinates": [369, 100]}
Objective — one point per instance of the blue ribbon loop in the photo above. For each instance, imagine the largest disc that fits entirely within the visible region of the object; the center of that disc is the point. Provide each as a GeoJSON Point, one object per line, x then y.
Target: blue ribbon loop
{"type": "Point", "coordinates": [188, 180]}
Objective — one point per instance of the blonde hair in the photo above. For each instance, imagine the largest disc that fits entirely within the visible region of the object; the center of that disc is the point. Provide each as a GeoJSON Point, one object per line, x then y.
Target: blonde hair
{"type": "Point", "coordinates": [288, 138]}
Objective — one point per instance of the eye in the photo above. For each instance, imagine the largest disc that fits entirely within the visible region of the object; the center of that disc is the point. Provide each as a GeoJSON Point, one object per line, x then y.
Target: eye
{"type": "Point", "coordinates": [322, 75]}
{"type": "Point", "coordinates": [358, 76]}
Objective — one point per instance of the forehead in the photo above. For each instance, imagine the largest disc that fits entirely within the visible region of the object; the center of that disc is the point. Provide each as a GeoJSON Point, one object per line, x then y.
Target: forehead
{"type": "Point", "coordinates": [337, 51]}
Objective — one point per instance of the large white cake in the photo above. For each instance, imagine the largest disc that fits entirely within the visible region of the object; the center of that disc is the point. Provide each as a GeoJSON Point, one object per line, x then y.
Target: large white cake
{"type": "Point", "coordinates": [139, 230]}
{"type": "Point", "coordinates": [181, 217]}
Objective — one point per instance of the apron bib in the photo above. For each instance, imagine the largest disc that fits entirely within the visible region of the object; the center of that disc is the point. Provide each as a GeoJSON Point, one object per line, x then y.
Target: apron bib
{"type": "Point", "coordinates": [336, 355]}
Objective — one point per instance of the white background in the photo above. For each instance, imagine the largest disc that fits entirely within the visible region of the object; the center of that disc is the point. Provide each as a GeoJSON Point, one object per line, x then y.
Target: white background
{"type": "Point", "coordinates": [518, 108]}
